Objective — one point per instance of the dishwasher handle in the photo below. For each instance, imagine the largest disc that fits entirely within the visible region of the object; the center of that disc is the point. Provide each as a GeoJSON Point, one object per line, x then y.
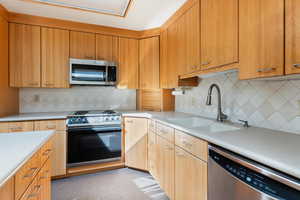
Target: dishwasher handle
{"type": "Point", "coordinates": [270, 173]}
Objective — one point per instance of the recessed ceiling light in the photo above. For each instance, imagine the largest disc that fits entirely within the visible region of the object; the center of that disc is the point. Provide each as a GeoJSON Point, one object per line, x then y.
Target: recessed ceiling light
{"type": "Point", "coordinates": [109, 7]}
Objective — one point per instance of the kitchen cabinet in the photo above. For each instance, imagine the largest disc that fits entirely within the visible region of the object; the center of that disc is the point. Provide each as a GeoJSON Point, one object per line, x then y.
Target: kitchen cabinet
{"type": "Point", "coordinates": [128, 63]}
{"type": "Point", "coordinates": [166, 166]}
{"type": "Point", "coordinates": [45, 181]}
{"type": "Point", "coordinates": [7, 190]}
{"type": "Point", "coordinates": [107, 48]}
{"type": "Point", "coordinates": [136, 143]}
{"type": "Point", "coordinates": [292, 37]}
{"type": "Point", "coordinates": [152, 154]}
{"type": "Point", "coordinates": [82, 45]}
{"type": "Point", "coordinates": [55, 58]}
{"type": "Point", "coordinates": [190, 176]}
{"type": "Point", "coordinates": [149, 63]}
{"type": "Point", "coordinates": [219, 33]}
{"type": "Point", "coordinates": [24, 55]}
{"type": "Point", "coordinates": [59, 144]}
{"type": "Point", "coordinates": [10, 127]}
{"type": "Point", "coordinates": [261, 38]}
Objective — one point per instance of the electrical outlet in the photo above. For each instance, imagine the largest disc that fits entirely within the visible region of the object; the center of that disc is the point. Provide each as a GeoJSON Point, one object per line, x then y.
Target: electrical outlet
{"type": "Point", "coordinates": [36, 98]}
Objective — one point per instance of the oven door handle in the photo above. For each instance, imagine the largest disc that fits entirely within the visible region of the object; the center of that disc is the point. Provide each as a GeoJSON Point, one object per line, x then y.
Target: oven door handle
{"type": "Point", "coordinates": [95, 128]}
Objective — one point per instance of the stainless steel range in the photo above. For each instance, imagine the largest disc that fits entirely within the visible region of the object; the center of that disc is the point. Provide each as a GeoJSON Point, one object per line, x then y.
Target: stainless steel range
{"type": "Point", "coordinates": [94, 137]}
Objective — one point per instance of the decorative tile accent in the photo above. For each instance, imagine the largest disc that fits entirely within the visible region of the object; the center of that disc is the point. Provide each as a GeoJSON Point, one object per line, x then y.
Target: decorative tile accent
{"type": "Point", "coordinates": [267, 104]}
{"type": "Point", "coordinates": [76, 98]}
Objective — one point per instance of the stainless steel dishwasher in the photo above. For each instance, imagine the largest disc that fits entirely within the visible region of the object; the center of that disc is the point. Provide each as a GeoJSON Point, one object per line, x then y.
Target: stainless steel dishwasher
{"type": "Point", "coordinates": [233, 177]}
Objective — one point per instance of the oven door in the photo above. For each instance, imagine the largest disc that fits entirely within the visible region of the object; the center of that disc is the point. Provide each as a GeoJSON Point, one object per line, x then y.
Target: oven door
{"type": "Point", "coordinates": [94, 144]}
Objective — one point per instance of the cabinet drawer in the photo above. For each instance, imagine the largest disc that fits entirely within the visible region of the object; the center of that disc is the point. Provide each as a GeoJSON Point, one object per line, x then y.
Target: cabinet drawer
{"type": "Point", "coordinates": [34, 190]}
{"type": "Point", "coordinates": [59, 125]}
{"type": "Point", "coordinates": [165, 132]}
{"type": "Point", "coordinates": [26, 174]}
{"type": "Point", "coordinates": [151, 125]}
{"type": "Point", "coordinates": [4, 128]}
{"type": "Point", "coordinates": [46, 151]}
{"type": "Point", "coordinates": [193, 145]}
{"type": "Point", "coordinates": [20, 126]}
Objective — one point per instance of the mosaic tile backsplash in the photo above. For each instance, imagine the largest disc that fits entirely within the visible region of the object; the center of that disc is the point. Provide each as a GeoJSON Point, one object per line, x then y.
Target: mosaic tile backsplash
{"type": "Point", "coordinates": [267, 104]}
{"type": "Point", "coordinates": [76, 98]}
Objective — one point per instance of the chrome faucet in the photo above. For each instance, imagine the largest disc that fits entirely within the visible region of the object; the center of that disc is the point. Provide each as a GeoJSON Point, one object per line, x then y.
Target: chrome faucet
{"type": "Point", "coordinates": [221, 116]}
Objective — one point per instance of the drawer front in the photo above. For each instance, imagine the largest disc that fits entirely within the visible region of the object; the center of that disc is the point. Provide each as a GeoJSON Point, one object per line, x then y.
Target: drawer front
{"type": "Point", "coordinates": [46, 151]}
{"type": "Point", "coordinates": [20, 126]}
{"type": "Point", "coordinates": [34, 191]}
{"type": "Point", "coordinates": [26, 174]}
{"type": "Point", "coordinates": [193, 145]}
{"type": "Point", "coordinates": [151, 125]}
{"type": "Point", "coordinates": [165, 132]}
{"type": "Point", "coordinates": [59, 125]}
{"type": "Point", "coordinates": [4, 128]}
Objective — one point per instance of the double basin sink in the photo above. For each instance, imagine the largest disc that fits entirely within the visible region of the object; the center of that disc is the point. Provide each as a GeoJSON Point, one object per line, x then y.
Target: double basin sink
{"type": "Point", "coordinates": [197, 122]}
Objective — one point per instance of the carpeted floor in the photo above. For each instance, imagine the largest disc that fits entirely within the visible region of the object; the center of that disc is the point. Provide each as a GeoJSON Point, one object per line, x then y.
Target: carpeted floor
{"type": "Point", "coordinates": [121, 184]}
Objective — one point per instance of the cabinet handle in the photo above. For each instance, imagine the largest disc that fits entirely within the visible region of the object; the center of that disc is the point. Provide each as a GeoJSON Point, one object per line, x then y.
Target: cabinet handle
{"type": "Point", "coordinates": [266, 69]}
{"type": "Point", "coordinates": [33, 84]}
{"type": "Point", "coordinates": [47, 152]}
{"type": "Point", "coordinates": [31, 172]}
{"type": "Point", "coordinates": [186, 143]}
{"type": "Point", "coordinates": [17, 129]}
{"type": "Point", "coordinates": [169, 148]}
{"type": "Point", "coordinates": [89, 57]}
{"type": "Point", "coordinates": [296, 65]}
{"type": "Point", "coordinates": [180, 154]}
{"type": "Point", "coordinates": [51, 127]}
{"type": "Point", "coordinates": [205, 63]}
{"type": "Point", "coordinates": [129, 121]}
{"type": "Point", "coordinates": [49, 84]}
{"type": "Point", "coordinates": [44, 177]}
{"type": "Point", "coordinates": [37, 193]}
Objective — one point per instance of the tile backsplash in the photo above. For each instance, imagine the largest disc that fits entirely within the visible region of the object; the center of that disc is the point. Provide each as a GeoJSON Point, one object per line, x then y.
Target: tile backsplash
{"type": "Point", "coordinates": [267, 104]}
{"type": "Point", "coordinates": [76, 98]}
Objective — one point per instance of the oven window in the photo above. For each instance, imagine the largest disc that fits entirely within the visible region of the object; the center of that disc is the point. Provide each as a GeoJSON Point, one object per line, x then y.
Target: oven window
{"type": "Point", "coordinates": [88, 72]}
{"type": "Point", "coordinates": [90, 146]}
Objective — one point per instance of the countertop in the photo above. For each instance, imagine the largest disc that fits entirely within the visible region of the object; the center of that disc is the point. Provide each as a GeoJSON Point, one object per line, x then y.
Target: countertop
{"type": "Point", "coordinates": [17, 148]}
{"type": "Point", "coordinates": [276, 149]}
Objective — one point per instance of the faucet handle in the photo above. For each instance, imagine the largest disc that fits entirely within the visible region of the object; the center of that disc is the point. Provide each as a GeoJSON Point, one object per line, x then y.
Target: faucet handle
{"type": "Point", "coordinates": [245, 123]}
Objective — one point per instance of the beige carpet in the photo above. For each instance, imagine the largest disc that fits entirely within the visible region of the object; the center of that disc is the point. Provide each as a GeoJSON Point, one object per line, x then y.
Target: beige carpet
{"type": "Point", "coordinates": [121, 184]}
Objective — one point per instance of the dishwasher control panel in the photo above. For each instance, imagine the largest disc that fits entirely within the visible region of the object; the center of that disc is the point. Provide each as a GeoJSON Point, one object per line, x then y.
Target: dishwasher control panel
{"type": "Point", "coordinates": [256, 180]}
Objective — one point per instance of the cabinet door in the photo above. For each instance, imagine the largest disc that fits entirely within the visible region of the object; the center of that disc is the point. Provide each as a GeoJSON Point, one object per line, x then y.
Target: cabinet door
{"type": "Point", "coordinates": [45, 181]}
{"type": "Point", "coordinates": [261, 38]}
{"type": "Point", "coordinates": [152, 151]}
{"type": "Point", "coordinates": [164, 68]}
{"type": "Point", "coordinates": [136, 143]}
{"type": "Point", "coordinates": [292, 37]}
{"type": "Point", "coordinates": [83, 45]}
{"type": "Point", "coordinates": [149, 63]}
{"type": "Point", "coordinates": [190, 177]}
{"type": "Point", "coordinates": [192, 30]}
{"type": "Point", "coordinates": [24, 55]}
{"type": "Point", "coordinates": [166, 166]}
{"type": "Point", "coordinates": [59, 154]}
{"type": "Point", "coordinates": [219, 33]}
{"type": "Point", "coordinates": [7, 190]}
{"type": "Point", "coordinates": [128, 63]}
{"type": "Point", "coordinates": [181, 46]}
{"type": "Point", "coordinates": [55, 58]}
{"type": "Point", "coordinates": [106, 48]}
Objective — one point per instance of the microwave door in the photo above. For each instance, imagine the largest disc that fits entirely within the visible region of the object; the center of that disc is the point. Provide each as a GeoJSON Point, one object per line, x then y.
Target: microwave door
{"type": "Point", "coordinates": [88, 73]}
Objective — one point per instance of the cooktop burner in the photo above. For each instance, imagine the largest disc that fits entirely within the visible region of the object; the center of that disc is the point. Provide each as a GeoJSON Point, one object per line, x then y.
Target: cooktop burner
{"type": "Point", "coordinates": [93, 113]}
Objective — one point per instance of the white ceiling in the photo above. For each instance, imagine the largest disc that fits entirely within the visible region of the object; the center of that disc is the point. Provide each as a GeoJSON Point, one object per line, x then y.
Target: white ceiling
{"type": "Point", "coordinates": [142, 14]}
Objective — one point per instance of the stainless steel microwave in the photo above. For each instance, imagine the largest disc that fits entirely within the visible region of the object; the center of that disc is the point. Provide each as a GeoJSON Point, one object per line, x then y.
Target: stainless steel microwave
{"type": "Point", "coordinates": [93, 72]}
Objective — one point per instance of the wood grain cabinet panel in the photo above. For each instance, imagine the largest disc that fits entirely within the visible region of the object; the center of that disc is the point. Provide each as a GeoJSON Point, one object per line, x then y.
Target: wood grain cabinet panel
{"type": "Point", "coordinates": [292, 37]}
{"type": "Point", "coordinates": [152, 154]}
{"type": "Point", "coordinates": [24, 55]}
{"type": "Point", "coordinates": [136, 143]}
{"type": "Point", "coordinates": [107, 48]}
{"type": "Point", "coordinates": [7, 191]}
{"type": "Point", "coordinates": [45, 181]}
{"type": "Point", "coordinates": [20, 126]}
{"type": "Point", "coordinates": [261, 38]}
{"type": "Point", "coordinates": [149, 63]}
{"type": "Point", "coordinates": [165, 131]}
{"type": "Point", "coordinates": [55, 58]}
{"type": "Point", "coordinates": [190, 177]}
{"type": "Point", "coordinates": [219, 33]}
{"type": "Point", "coordinates": [82, 45]}
{"type": "Point", "coordinates": [128, 63]}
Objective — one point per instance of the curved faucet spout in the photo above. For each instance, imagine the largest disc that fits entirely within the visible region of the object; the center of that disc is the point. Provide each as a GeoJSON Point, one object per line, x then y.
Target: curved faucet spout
{"type": "Point", "coordinates": [221, 116]}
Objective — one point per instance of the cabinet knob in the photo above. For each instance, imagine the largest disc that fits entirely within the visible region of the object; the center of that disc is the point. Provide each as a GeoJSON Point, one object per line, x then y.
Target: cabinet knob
{"type": "Point", "coordinates": [296, 65]}
{"type": "Point", "coordinates": [266, 69]}
{"type": "Point", "coordinates": [205, 63]}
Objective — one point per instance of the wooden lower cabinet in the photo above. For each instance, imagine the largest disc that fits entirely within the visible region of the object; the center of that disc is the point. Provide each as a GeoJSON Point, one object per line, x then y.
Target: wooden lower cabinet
{"type": "Point", "coordinates": [152, 153]}
{"type": "Point", "coordinates": [190, 176]}
{"type": "Point", "coordinates": [59, 155]}
{"type": "Point", "coordinates": [136, 143]}
{"type": "Point", "coordinates": [45, 181]}
{"type": "Point", "coordinates": [165, 166]}
{"type": "Point", "coordinates": [7, 191]}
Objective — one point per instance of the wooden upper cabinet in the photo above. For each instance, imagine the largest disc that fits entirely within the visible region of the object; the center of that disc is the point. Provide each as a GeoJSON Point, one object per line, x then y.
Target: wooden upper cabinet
{"type": "Point", "coordinates": [164, 68]}
{"type": "Point", "coordinates": [292, 37]}
{"type": "Point", "coordinates": [55, 58]}
{"type": "Point", "coordinates": [261, 38]}
{"type": "Point", "coordinates": [149, 63]}
{"type": "Point", "coordinates": [128, 63]}
{"type": "Point", "coordinates": [107, 48]}
{"type": "Point", "coordinates": [219, 33]}
{"type": "Point", "coordinates": [83, 45]}
{"type": "Point", "coordinates": [24, 55]}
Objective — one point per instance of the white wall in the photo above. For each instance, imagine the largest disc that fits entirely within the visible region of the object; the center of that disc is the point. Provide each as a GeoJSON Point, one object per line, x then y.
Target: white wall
{"type": "Point", "coordinates": [76, 98]}
{"type": "Point", "coordinates": [268, 104]}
